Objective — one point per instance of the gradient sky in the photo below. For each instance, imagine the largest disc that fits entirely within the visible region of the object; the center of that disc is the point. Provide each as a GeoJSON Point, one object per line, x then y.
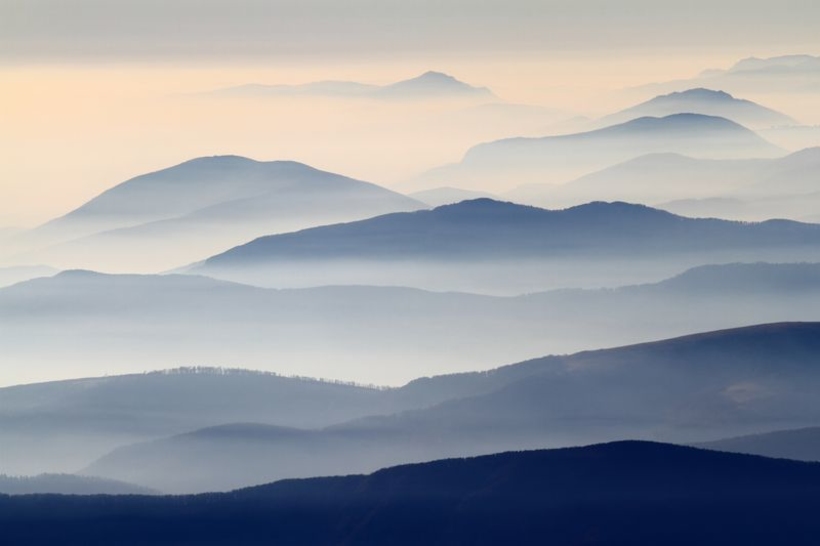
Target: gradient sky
{"type": "Point", "coordinates": [71, 29]}
{"type": "Point", "coordinates": [90, 88]}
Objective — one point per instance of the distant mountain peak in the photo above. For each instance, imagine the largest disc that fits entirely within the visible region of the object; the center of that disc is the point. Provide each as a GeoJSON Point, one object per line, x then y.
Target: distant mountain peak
{"type": "Point", "coordinates": [483, 203]}
{"type": "Point", "coordinates": [612, 209]}
{"type": "Point", "coordinates": [707, 102]}
{"type": "Point", "coordinates": [685, 119]}
{"type": "Point", "coordinates": [429, 84]}
{"type": "Point", "coordinates": [433, 76]}
{"type": "Point", "coordinates": [223, 158]}
{"type": "Point", "coordinates": [434, 82]}
{"type": "Point", "coordinates": [751, 64]}
{"type": "Point", "coordinates": [698, 92]}
{"type": "Point", "coordinates": [79, 274]}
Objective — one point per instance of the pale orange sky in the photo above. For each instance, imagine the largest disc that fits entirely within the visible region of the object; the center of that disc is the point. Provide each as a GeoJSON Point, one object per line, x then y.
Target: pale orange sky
{"type": "Point", "coordinates": [70, 131]}
{"type": "Point", "coordinates": [90, 90]}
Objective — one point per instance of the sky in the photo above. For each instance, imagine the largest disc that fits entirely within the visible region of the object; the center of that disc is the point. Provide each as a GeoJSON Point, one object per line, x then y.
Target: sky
{"type": "Point", "coordinates": [72, 29]}
{"type": "Point", "coordinates": [97, 91]}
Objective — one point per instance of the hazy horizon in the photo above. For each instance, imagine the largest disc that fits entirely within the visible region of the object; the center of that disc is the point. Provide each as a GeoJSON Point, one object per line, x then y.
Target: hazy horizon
{"type": "Point", "coordinates": [253, 240]}
{"type": "Point", "coordinates": [94, 91]}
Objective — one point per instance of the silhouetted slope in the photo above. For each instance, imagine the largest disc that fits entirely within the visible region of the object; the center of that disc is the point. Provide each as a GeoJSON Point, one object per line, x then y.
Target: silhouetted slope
{"type": "Point", "coordinates": [706, 102]}
{"type": "Point", "coordinates": [613, 494]}
{"type": "Point", "coordinates": [683, 390]}
{"type": "Point", "coordinates": [799, 444]}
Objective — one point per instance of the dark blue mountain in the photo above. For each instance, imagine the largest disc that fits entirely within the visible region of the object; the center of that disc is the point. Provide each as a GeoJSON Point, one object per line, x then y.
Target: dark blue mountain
{"type": "Point", "coordinates": [622, 493]}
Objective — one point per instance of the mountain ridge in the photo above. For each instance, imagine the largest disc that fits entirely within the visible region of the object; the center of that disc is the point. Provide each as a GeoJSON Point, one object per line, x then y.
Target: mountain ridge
{"type": "Point", "coordinates": [620, 492]}
{"type": "Point", "coordinates": [430, 84]}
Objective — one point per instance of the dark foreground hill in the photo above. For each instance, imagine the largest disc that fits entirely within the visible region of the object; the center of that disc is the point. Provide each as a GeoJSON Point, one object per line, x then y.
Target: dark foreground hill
{"type": "Point", "coordinates": [612, 494]}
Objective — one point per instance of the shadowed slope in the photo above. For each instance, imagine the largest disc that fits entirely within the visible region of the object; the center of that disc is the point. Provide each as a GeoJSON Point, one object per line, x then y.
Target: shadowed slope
{"type": "Point", "coordinates": [613, 494]}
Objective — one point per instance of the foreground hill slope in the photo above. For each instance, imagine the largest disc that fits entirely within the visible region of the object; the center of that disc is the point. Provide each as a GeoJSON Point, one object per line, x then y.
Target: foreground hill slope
{"type": "Point", "coordinates": [613, 494]}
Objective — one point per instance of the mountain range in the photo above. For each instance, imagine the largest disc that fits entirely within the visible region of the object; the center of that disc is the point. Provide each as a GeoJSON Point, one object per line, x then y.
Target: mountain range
{"type": "Point", "coordinates": [430, 85]}
{"type": "Point", "coordinates": [163, 219]}
{"type": "Point", "coordinates": [786, 74]}
{"type": "Point", "coordinates": [611, 494]}
{"type": "Point", "coordinates": [509, 246]}
{"type": "Point", "coordinates": [662, 179]}
{"type": "Point", "coordinates": [99, 324]}
{"type": "Point", "coordinates": [695, 388]}
{"type": "Point", "coordinates": [492, 166]}
{"type": "Point", "coordinates": [703, 101]}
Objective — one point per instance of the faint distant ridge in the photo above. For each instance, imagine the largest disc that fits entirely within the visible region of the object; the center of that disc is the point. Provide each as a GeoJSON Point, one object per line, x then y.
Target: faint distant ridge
{"type": "Point", "coordinates": [706, 102]}
{"type": "Point", "coordinates": [68, 484]}
{"type": "Point", "coordinates": [430, 85]}
{"type": "Point", "coordinates": [664, 178]}
{"type": "Point", "coordinates": [801, 444]}
{"type": "Point", "coordinates": [798, 278]}
{"type": "Point", "coordinates": [782, 64]}
{"type": "Point", "coordinates": [692, 134]}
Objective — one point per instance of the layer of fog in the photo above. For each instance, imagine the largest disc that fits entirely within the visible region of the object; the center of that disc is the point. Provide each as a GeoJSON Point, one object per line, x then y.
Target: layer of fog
{"type": "Point", "coordinates": [97, 325]}
{"type": "Point", "coordinates": [683, 390]}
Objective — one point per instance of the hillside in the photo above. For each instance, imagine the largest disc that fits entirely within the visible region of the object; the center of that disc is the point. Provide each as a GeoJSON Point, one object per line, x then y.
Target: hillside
{"type": "Point", "coordinates": [615, 494]}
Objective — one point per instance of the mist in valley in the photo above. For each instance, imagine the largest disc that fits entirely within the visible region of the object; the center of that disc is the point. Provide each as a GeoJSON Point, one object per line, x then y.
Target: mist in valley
{"type": "Point", "coordinates": [488, 243]}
